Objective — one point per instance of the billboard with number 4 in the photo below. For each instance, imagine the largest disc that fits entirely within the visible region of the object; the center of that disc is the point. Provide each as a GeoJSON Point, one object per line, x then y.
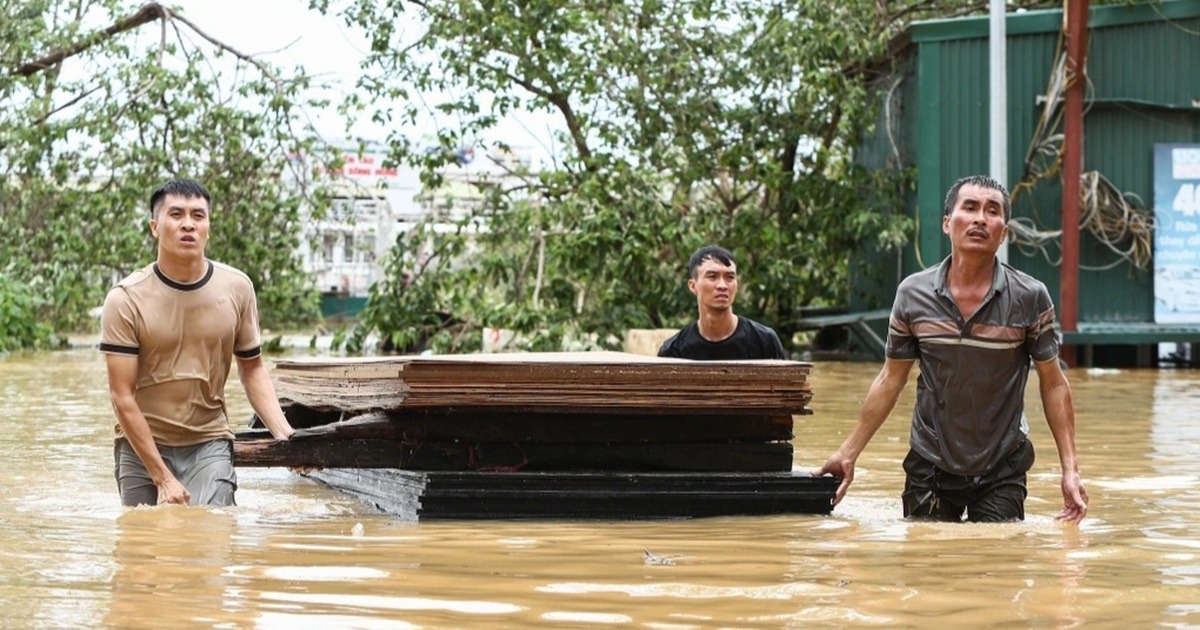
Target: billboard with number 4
{"type": "Point", "coordinates": [1177, 233]}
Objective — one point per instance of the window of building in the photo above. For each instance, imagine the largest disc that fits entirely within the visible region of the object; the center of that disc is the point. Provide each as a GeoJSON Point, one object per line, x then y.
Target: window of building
{"type": "Point", "coordinates": [328, 245]}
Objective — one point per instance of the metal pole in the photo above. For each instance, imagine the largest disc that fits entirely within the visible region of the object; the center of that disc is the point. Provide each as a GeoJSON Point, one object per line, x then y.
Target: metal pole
{"type": "Point", "coordinates": [998, 92]}
{"type": "Point", "coordinates": [1076, 15]}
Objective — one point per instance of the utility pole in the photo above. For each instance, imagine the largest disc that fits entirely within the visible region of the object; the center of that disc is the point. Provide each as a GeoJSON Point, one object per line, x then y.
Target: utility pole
{"type": "Point", "coordinates": [998, 93]}
{"type": "Point", "coordinates": [1076, 15]}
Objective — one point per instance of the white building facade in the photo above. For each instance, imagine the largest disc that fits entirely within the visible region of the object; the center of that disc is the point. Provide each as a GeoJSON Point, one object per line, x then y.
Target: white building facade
{"type": "Point", "coordinates": [344, 251]}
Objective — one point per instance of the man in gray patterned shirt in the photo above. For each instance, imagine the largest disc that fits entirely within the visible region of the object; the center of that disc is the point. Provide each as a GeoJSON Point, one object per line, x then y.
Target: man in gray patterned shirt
{"type": "Point", "coordinates": [975, 324]}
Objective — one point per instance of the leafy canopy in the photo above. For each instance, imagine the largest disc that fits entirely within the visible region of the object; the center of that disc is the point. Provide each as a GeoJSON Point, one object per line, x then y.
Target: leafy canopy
{"type": "Point", "coordinates": [92, 120]}
{"type": "Point", "coordinates": [679, 124]}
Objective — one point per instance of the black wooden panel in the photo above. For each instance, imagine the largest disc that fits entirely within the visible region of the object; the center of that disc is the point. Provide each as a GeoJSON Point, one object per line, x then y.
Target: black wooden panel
{"type": "Point", "coordinates": [591, 496]}
{"type": "Point", "coordinates": [510, 456]}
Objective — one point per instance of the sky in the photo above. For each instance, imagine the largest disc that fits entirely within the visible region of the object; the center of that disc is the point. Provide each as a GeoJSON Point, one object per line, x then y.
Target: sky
{"type": "Point", "coordinates": [287, 33]}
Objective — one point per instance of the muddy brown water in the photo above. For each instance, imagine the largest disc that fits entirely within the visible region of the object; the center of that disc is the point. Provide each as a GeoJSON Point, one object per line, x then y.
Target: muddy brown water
{"type": "Point", "coordinates": [296, 554]}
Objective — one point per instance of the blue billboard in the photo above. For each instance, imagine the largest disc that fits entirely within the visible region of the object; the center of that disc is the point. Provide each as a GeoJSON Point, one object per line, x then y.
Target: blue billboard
{"type": "Point", "coordinates": [1177, 233]}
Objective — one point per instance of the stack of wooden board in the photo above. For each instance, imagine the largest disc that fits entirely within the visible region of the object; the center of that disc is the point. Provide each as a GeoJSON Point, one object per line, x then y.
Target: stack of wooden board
{"type": "Point", "coordinates": [433, 432]}
{"type": "Point", "coordinates": [588, 382]}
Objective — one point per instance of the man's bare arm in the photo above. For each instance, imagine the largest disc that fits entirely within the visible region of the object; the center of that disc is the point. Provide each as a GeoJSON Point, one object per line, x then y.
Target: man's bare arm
{"type": "Point", "coordinates": [122, 382]}
{"type": "Point", "coordinates": [1060, 415]}
{"type": "Point", "coordinates": [881, 399]}
{"type": "Point", "coordinates": [260, 391]}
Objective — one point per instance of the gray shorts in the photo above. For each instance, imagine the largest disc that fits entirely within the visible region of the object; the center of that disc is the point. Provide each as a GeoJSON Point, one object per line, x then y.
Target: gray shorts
{"type": "Point", "coordinates": [205, 469]}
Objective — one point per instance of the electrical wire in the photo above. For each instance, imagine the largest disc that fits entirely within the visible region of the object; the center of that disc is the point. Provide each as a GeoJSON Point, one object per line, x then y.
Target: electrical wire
{"type": "Point", "coordinates": [1119, 221]}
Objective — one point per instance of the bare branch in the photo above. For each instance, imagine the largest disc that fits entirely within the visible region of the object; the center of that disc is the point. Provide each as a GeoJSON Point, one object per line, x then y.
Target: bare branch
{"type": "Point", "coordinates": [148, 13]}
{"type": "Point", "coordinates": [44, 117]}
{"type": "Point", "coordinates": [230, 49]}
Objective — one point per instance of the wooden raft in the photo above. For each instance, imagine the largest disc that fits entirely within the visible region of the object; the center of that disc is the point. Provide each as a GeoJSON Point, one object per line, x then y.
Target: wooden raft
{"type": "Point", "coordinates": [534, 435]}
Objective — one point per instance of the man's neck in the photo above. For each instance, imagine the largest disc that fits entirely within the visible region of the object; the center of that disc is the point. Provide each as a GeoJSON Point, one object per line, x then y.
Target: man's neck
{"type": "Point", "coordinates": [968, 271]}
{"type": "Point", "coordinates": [717, 325]}
{"type": "Point", "coordinates": [970, 281]}
{"type": "Point", "coordinates": [185, 271]}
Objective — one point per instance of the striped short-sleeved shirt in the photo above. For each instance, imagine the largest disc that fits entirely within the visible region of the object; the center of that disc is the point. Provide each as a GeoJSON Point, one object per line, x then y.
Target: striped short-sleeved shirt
{"type": "Point", "coordinates": [970, 409]}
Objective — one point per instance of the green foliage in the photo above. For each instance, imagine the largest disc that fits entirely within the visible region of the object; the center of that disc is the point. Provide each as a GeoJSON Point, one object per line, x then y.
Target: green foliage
{"type": "Point", "coordinates": [20, 303]}
{"type": "Point", "coordinates": [682, 124]}
{"type": "Point", "coordinates": [85, 140]}
{"type": "Point", "coordinates": [273, 345]}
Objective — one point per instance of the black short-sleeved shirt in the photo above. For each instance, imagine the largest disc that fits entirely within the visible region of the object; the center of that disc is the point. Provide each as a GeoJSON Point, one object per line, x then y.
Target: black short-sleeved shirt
{"type": "Point", "coordinates": [751, 340]}
{"type": "Point", "coordinates": [970, 410]}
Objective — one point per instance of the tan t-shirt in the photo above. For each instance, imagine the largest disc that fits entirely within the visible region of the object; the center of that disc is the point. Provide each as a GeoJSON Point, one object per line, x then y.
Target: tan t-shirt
{"type": "Point", "coordinates": [184, 337]}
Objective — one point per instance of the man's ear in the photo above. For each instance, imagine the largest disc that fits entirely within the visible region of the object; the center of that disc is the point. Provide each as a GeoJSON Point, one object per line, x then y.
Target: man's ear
{"type": "Point", "coordinates": [154, 228]}
{"type": "Point", "coordinates": [692, 285]}
{"type": "Point", "coordinates": [945, 224]}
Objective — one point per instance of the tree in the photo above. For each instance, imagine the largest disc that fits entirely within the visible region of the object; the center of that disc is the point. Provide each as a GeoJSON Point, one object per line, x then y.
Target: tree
{"type": "Point", "coordinates": [681, 123]}
{"type": "Point", "coordinates": [93, 118]}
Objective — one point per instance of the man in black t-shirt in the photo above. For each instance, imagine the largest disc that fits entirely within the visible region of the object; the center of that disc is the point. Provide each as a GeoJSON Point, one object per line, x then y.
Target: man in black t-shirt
{"type": "Point", "coordinates": [718, 334]}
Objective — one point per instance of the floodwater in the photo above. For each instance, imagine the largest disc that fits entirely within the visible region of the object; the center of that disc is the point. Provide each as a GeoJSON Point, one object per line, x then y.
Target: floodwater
{"type": "Point", "coordinates": [296, 554]}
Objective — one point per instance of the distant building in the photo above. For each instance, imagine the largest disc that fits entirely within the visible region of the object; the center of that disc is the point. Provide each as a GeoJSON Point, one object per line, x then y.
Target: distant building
{"type": "Point", "coordinates": [373, 204]}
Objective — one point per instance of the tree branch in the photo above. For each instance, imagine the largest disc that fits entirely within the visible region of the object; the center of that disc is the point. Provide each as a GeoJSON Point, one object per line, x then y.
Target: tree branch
{"type": "Point", "coordinates": [230, 49]}
{"type": "Point", "coordinates": [148, 13]}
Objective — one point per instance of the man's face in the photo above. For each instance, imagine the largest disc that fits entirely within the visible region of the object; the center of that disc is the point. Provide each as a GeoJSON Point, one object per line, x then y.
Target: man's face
{"type": "Point", "coordinates": [715, 285]}
{"type": "Point", "coordinates": [976, 223]}
{"type": "Point", "coordinates": [181, 226]}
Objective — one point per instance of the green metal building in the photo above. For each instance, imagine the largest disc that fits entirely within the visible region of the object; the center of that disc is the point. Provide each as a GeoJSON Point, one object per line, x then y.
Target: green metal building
{"type": "Point", "coordinates": [1143, 70]}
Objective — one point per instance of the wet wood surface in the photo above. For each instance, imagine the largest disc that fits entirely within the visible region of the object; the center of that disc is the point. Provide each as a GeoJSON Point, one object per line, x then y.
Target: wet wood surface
{"type": "Point", "coordinates": [583, 495]}
{"type": "Point", "coordinates": [583, 382]}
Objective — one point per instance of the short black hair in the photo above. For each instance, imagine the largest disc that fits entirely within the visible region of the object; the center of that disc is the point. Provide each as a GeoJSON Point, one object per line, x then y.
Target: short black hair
{"type": "Point", "coordinates": [714, 252]}
{"type": "Point", "coordinates": [188, 188]}
{"type": "Point", "coordinates": [983, 181]}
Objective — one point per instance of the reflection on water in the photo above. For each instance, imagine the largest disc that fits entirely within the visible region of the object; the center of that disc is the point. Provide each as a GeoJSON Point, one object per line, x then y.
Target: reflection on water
{"type": "Point", "coordinates": [295, 554]}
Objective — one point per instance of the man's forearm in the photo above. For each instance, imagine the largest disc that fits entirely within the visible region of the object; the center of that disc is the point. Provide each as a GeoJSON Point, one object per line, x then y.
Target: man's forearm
{"type": "Point", "coordinates": [1060, 416]}
{"type": "Point", "coordinates": [137, 433]}
{"type": "Point", "coordinates": [260, 392]}
{"type": "Point", "coordinates": [881, 400]}
{"type": "Point", "coordinates": [267, 408]}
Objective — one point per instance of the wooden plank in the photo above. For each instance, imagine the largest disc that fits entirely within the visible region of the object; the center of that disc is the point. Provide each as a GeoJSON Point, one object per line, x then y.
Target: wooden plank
{"type": "Point", "coordinates": [467, 456]}
{"type": "Point", "coordinates": [690, 371]}
{"type": "Point", "coordinates": [392, 491]}
{"type": "Point", "coordinates": [523, 427]}
{"type": "Point", "coordinates": [583, 495]}
{"type": "Point", "coordinates": [603, 404]}
{"type": "Point", "coordinates": [616, 410]}
{"type": "Point", "coordinates": [330, 393]}
{"type": "Point", "coordinates": [599, 357]}
{"type": "Point", "coordinates": [383, 365]}
{"type": "Point", "coordinates": [354, 453]}
{"type": "Point", "coordinates": [579, 402]}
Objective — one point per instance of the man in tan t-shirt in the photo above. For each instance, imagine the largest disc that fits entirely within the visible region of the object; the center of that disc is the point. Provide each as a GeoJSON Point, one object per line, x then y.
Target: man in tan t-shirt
{"type": "Point", "coordinates": [169, 333]}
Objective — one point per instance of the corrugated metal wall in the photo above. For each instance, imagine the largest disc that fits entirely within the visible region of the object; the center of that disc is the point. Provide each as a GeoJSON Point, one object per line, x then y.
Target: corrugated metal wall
{"type": "Point", "coordinates": [1144, 68]}
{"type": "Point", "coordinates": [874, 274]}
